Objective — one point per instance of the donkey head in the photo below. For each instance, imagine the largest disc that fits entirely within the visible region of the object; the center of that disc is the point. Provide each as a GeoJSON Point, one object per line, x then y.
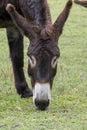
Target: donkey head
{"type": "Point", "coordinates": [43, 55]}
{"type": "Point", "coordinates": [43, 52]}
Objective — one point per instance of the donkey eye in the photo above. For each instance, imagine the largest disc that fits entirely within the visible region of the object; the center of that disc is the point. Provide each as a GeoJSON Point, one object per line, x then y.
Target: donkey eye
{"type": "Point", "coordinates": [54, 62]}
{"type": "Point", "coordinates": [32, 61]}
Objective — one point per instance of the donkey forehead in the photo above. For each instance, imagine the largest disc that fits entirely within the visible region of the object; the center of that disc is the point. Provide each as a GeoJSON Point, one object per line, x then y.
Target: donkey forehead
{"type": "Point", "coordinates": [44, 48]}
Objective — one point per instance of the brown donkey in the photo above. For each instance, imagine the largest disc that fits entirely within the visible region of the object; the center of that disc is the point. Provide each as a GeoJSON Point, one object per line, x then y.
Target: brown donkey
{"type": "Point", "coordinates": [32, 18]}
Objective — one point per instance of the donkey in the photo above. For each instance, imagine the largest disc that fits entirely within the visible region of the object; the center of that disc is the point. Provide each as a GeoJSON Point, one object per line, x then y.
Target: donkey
{"type": "Point", "coordinates": [32, 18]}
{"type": "Point", "coordinates": [81, 2]}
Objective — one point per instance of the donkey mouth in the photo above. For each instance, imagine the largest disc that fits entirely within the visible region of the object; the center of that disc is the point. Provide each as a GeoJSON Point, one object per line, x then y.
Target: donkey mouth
{"type": "Point", "coordinates": [42, 95]}
{"type": "Point", "coordinates": [42, 105]}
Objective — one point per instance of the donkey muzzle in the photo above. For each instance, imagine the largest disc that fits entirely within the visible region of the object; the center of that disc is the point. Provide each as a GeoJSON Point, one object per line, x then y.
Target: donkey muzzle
{"type": "Point", "coordinates": [42, 95]}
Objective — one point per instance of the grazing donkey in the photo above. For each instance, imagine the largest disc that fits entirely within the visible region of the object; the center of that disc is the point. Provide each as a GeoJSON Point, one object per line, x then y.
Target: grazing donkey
{"type": "Point", "coordinates": [81, 2]}
{"type": "Point", "coordinates": [32, 18]}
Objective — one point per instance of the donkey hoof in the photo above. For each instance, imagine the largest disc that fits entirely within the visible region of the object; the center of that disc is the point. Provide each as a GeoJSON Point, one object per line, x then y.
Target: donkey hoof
{"type": "Point", "coordinates": [27, 93]}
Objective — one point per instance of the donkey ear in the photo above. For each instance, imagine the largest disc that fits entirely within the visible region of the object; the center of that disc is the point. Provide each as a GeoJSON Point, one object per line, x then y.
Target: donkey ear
{"type": "Point", "coordinates": [21, 22]}
{"type": "Point", "coordinates": [59, 23]}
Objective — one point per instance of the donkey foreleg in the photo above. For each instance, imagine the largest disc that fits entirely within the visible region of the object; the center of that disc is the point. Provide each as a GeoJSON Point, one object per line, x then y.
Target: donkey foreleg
{"type": "Point", "coordinates": [15, 42]}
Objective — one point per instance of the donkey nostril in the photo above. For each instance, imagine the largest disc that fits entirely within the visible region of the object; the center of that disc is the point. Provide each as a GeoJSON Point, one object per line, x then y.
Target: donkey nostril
{"type": "Point", "coordinates": [42, 105]}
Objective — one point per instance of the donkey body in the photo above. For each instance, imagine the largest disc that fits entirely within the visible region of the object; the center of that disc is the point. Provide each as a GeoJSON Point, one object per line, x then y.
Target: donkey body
{"type": "Point", "coordinates": [32, 18]}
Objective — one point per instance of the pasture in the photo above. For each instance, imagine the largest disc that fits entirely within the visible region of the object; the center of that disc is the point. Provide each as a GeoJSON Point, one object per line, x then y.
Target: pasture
{"type": "Point", "coordinates": [68, 109]}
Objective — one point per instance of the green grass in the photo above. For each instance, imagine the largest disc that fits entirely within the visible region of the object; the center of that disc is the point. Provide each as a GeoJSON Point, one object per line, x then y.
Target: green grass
{"type": "Point", "coordinates": [68, 109]}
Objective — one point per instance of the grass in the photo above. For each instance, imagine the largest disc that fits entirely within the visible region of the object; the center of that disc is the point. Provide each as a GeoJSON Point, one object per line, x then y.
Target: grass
{"type": "Point", "coordinates": [68, 109]}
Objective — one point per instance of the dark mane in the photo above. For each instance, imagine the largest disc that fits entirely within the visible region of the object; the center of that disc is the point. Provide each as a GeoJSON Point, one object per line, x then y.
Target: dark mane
{"type": "Point", "coordinates": [35, 11]}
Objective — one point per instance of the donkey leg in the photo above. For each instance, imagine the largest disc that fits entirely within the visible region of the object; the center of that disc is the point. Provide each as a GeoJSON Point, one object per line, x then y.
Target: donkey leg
{"type": "Point", "coordinates": [15, 41]}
